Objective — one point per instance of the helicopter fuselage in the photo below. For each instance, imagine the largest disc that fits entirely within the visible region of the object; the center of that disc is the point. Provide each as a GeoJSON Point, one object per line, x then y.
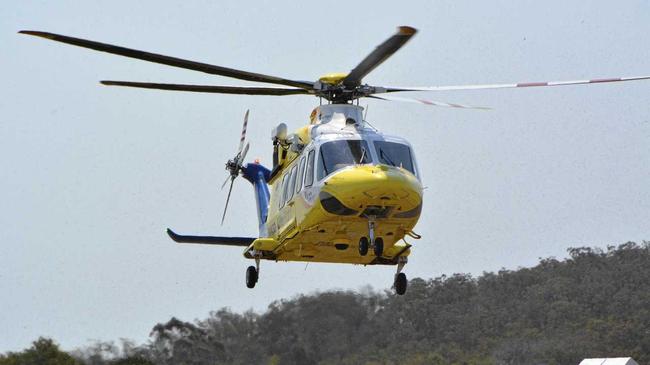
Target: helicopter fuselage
{"type": "Point", "coordinates": [347, 183]}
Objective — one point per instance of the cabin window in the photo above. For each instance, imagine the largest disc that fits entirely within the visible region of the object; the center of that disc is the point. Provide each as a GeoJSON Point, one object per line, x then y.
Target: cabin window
{"type": "Point", "coordinates": [277, 193]}
{"type": "Point", "coordinates": [283, 190]}
{"type": "Point", "coordinates": [336, 155]}
{"type": "Point", "coordinates": [394, 154]}
{"type": "Point", "coordinates": [292, 182]}
{"type": "Point", "coordinates": [309, 171]}
{"type": "Point", "coordinates": [301, 175]}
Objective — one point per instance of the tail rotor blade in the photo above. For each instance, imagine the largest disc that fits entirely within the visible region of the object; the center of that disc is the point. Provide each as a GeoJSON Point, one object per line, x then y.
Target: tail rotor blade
{"type": "Point", "coordinates": [227, 201]}
{"type": "Point", "coordinates": [234, 166]}
{"type": "Point", "coordinates": [243, 132]}
{"type": "Point", "coordinates": [225, 182]}
{"type": "Point", "coordinates": [243, 154]}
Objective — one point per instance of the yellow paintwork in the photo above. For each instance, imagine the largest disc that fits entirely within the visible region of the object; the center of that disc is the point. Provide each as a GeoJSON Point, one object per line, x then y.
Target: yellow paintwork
{"type": "Point", "coordinates": [304, 231]}
{"type": "Point", "coordinates": [265, 244]}
{"type": "Point", "coordinates": [286, 157]}
{"type": "Point", "coordinates": [333, 78]}
{"type": "Point", "coordinates": [303, 134]}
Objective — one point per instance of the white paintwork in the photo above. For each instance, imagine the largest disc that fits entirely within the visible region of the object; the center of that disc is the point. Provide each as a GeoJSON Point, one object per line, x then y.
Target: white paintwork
{"type": "Point", "coordinates": [337, 114]}
{"type": "Point", "coordinates": [609, 361]}
{"type": "Point", "coordinates": [331, 125]}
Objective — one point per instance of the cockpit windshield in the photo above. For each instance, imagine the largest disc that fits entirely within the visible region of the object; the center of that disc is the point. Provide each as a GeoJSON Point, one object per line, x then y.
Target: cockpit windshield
{"type": "Point", "coordinates": [335, 155]}
{"type": "Point", "coordinates": [394, 154]}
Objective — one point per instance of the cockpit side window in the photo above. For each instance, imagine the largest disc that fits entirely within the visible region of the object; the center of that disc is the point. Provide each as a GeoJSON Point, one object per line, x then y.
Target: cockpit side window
{"type": "Point", "coordinates": [335, 155]}
{"type": "Point", "coordinates": [394, 154]}
{"type": "Point", "coordinates": [309, 171]}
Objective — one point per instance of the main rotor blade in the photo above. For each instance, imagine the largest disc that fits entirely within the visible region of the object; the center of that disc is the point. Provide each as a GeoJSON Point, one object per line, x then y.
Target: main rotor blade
{"type": "Point", "coordinates": [429, 102]}
{"type": "Point", "coordinates": [243, 132]}
{"type": "Point", "coordinates": [170, 61]}
{"type": "Point", "coordinates": [515, 85]}
{"type": "Point", "coordinates": [379, 55]}
{"type": "Point", "coordinates": [209, 88]}
{"type": "Point", "coordinates": [232, 180]}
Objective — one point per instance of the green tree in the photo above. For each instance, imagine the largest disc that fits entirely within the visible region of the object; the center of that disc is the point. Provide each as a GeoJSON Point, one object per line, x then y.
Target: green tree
{"type": "Point", "coordinates": [43, 352]}
{"type": "Point", "coordinates": [131, 361]}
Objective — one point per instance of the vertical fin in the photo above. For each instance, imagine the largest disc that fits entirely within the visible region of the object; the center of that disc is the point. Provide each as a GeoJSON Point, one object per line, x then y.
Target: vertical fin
{"type": "Point", "coordinates": [258, 175]}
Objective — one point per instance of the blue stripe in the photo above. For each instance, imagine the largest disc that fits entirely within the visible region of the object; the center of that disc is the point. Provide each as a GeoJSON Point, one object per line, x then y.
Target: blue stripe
{"type": "Point", "coordinates": [258, 175]}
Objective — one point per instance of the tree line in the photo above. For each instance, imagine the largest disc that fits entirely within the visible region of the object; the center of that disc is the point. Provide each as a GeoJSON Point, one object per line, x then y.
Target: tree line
{"type": "Point", "coordinates": [595, 303]}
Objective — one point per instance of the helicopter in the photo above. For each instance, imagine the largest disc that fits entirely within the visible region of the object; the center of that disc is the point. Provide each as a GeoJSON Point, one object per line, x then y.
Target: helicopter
{"type": "Point", "coordinates": [339, 190]}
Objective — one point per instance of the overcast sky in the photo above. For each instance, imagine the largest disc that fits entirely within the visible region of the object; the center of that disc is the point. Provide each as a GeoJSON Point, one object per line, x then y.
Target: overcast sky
{"type": "Point", "coordinates": [92, 175]}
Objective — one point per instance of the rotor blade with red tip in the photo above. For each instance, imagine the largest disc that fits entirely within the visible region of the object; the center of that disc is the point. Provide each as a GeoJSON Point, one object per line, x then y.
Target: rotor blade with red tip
{"type": "Point", "coordinates": [170, 61]}
{"type": "Point", "coordinates": [516, 85]}
{"type": "Point", "coordinates": [429, 102]}
{"type": "Point", "coordinates": [243, 154]}
{"type": "Point", "coordinates": [379, 55]}
{"type": "Point", "coordinates": [243, 132]}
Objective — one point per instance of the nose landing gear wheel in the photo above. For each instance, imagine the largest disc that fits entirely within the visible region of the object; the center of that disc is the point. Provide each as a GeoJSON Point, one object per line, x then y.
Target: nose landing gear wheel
{"type": "Point", "coordinates": [251, 277]}
{"type": "Point", "coordinates": [363, 246]}
{"type": "Point", "coordinates": [378, 246]}
{"type": "Point", "coordinates": [400, 283]}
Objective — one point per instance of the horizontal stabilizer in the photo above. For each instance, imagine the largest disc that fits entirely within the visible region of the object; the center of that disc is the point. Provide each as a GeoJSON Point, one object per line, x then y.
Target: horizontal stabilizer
{"type": "Point", "coordinates": [211, 240]}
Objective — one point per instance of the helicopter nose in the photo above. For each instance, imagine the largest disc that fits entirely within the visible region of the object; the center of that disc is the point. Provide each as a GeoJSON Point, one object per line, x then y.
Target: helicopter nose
{"type": "Point", "coordinates": [372, 189]}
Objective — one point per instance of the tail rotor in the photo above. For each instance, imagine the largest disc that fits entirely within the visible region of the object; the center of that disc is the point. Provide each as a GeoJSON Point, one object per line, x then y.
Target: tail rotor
{"type": "Point", "coordinates": [234, 165]}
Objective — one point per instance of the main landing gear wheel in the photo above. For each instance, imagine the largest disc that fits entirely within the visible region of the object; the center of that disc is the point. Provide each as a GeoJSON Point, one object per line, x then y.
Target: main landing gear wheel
{"type": "Point", "coordinates": [400, 283]}
{"type": "Point", "coordinates": [251, 277]}
{"type": "Point", "coordinates": [378, 246]}
{"type": "Point", "coordinates": [363, 246]}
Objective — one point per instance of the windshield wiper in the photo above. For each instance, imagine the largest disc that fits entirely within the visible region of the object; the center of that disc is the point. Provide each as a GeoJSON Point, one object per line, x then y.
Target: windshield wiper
{"type": "Point", "coordinates": [385, 156]}
{"type": "Point", "coordinates": [363, 154]}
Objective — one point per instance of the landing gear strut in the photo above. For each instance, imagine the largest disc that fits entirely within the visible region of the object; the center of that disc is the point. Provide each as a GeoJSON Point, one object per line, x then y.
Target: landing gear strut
{"type": "Point", "coordinates": [377, 243]}
{"type": "Point", "coordinates": [400, 283]}
{"type": "Point", "coordinates": [252, 274]}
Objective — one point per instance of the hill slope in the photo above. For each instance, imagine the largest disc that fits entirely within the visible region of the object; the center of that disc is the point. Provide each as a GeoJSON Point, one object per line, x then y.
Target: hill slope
{"type": "Point", "coordinates": [593, 304]}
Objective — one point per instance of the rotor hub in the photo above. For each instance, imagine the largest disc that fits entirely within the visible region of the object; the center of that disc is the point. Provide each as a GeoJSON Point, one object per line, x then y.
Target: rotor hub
{"type": "Point", "coordinates": [334, 78]}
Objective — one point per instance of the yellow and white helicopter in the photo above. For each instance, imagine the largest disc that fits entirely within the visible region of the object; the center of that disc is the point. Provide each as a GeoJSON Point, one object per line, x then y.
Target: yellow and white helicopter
{"type": "Point", "coordinates": [338, 187]}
